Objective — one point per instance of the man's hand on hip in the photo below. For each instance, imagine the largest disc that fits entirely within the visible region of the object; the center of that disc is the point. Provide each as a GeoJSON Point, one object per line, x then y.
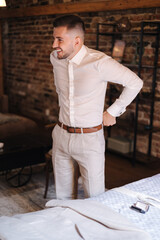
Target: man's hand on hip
{"type": "Point", "coordinates": [108, 119]}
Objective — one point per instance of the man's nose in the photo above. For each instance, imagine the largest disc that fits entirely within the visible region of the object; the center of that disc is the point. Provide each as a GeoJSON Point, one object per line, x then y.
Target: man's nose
{"type": "Point", "coordinates": [54, 45]}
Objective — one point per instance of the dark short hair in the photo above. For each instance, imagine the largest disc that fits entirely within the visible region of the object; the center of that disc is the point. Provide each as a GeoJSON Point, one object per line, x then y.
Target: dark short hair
{"type": "Point", "coordinates": [70, 21]}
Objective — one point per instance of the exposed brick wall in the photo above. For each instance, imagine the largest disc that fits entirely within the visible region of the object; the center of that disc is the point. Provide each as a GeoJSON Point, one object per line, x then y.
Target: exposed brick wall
{"type": "Point", "coordinates": [27, 44]}
{"type": "Point", "coordinates": [28, 72]}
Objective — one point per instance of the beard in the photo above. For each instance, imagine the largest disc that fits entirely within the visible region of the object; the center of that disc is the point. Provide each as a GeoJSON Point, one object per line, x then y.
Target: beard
{"type": "Point", "coordinates": [61, 54]}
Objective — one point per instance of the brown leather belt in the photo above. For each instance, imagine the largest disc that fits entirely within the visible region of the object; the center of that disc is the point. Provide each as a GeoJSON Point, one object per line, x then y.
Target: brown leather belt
{"type": "Point", "coordinates": [80, 130]}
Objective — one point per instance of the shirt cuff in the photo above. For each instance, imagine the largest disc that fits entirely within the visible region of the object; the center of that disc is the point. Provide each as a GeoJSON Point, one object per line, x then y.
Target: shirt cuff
{"type": "Point", "coordinates": [115, 111]}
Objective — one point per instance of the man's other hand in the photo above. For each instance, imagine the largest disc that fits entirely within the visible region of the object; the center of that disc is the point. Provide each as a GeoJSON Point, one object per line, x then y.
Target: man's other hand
{"type": "Point", "coordinates": [108, 120]}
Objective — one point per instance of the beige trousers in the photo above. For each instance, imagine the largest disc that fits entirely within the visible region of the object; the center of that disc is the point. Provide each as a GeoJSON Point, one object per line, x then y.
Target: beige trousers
{"type": "Point", "coordinates": [86, 150]}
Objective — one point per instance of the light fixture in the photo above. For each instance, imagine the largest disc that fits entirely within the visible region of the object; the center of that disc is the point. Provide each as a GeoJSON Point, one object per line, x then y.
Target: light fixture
{"type": "Point", "coordinates": [2, 3]}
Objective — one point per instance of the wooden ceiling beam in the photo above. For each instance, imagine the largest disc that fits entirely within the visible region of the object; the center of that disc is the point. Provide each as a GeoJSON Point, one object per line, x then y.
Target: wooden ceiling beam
{"type": "Point", "coordinates": [78, 7]}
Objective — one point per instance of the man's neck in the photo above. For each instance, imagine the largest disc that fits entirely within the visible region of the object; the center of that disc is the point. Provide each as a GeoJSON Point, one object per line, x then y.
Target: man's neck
{"type": "Point", "coordinates": [76, 51]}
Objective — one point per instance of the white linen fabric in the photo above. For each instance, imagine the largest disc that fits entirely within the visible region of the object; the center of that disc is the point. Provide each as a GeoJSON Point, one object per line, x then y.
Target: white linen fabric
{"type": "Point", "coordinates": [149, 190]}
{"type": "Point", "coordinates": [81, 220]}
{"type": "Point", "coordinates": [81, 86]}
{"type": "Point", "coordinates": [140, 196]}
{"type": "Point", "coordinates": [70, 220]}
{"type": "Point", "coordinates": [88, 151]}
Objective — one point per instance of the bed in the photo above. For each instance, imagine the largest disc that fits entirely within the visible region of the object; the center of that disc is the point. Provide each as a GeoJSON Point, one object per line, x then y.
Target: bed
{"type": "Point", "coordinates": [107, 216]}
{"type": "Point", "coordinates": [13, 124]}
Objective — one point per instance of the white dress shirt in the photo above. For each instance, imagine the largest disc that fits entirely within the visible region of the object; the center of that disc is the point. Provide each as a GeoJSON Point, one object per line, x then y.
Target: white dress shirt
{"type": "Point", "coordinates": [81, 86]}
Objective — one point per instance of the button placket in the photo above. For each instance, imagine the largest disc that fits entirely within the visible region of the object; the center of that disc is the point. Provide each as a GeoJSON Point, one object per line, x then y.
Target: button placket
{"type": "Point", "coordinates": [71, 93]}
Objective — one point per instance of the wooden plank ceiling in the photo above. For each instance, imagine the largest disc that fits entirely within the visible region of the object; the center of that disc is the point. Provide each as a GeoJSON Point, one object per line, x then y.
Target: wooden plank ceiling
{"type": "Point", "coordinates": [78, 7]}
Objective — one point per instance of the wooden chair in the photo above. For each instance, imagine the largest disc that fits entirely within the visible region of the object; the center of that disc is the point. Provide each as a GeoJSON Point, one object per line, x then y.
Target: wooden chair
{"type": "Point", "coordinates": [48, 159]}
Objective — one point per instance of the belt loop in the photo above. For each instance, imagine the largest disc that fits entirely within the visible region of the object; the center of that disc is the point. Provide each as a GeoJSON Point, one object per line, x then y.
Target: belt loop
{"type": "Point", "coordinates": [81, 130]}
{"type": "Point", "coordinates": [62, 125]}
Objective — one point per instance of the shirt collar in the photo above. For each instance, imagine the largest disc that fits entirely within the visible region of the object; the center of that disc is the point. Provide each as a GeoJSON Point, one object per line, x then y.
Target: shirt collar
{"type": "Point", "coordinates": [79, 56]}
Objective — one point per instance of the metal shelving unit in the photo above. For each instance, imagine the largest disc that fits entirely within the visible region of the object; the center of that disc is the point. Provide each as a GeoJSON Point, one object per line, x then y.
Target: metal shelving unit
{"type": "Point", "coordinates": [149, 29]}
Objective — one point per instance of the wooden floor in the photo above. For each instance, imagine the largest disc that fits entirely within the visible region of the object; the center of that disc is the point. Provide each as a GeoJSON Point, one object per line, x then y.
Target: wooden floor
{"type": "Point", "coordinates": [120, 171]}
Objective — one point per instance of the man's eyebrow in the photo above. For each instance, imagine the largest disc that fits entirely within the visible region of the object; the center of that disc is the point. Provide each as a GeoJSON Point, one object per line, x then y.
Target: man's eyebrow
{"type": "Point", "coordinates": [58, 38]}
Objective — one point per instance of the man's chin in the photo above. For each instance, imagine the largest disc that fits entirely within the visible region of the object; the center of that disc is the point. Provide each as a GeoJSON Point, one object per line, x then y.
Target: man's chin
{"type": "Point", "coordinates": [61, 56]}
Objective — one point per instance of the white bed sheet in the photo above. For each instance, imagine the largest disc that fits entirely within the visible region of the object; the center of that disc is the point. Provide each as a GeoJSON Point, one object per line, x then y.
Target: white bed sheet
{"type": "Point", "coordinates": [38, 225]}
{"type": "Point", "coordinates": [121, 202]}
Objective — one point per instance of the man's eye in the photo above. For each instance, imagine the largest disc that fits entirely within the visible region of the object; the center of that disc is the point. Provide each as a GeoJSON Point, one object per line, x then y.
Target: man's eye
{"type": "Point", "coordinates": [60, 40]}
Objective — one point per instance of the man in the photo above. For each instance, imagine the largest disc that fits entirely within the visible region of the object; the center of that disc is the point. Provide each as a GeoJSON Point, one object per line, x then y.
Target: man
{"type": "Point", "coordinates": [81, 75]}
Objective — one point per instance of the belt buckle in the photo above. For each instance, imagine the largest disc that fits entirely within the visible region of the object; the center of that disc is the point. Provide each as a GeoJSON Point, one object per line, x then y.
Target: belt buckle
{"type": "Point", "coordinates": [69, 131]}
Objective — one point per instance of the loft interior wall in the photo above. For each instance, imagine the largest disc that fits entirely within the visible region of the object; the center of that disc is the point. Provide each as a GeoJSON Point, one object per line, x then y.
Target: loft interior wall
{"type": "Point", "coordinates": [1, 62]}
{"type": "Point", "coordinates": [27, 43]}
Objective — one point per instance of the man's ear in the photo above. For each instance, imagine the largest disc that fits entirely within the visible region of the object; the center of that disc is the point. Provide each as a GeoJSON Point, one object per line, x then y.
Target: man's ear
{"type": "Point", "coordinates": [77, 41]}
